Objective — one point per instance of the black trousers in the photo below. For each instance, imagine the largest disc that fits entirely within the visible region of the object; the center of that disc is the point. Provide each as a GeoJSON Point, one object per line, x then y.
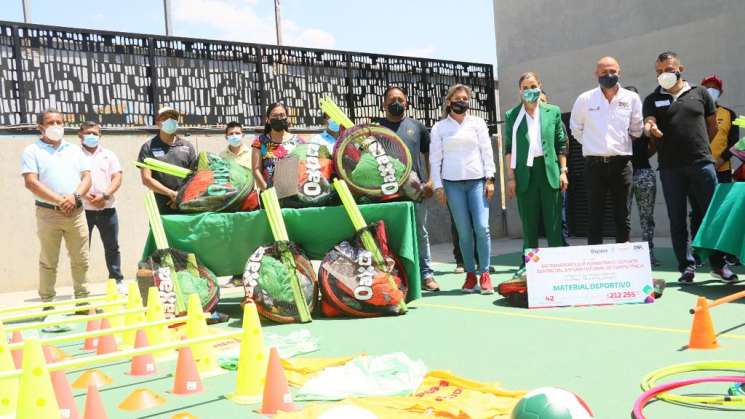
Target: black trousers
{"type": "Point", "coordinates": [612, 175]}
{"type": "Point", "coordinates": [108, 227]}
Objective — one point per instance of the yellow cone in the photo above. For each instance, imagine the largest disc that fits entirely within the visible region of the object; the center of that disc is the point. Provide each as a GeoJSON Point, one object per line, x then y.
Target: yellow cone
{"type": "Point", "coordinates": [134, 301]}
{"type": "Point", "coordinates": [112, 295]}
{"type": "Point", "coordinates": [252, 362]}
{"type": "Point", "coordinates": [36, 394]}
{"type": "Point", "coordinates": [156, 334]}
{"type": "Point", "coordinates": [8, 388]}
{"type": "Point", "coordinates": [196, 326]}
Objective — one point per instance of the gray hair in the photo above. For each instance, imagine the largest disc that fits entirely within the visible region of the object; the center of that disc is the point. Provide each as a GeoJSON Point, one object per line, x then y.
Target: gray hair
{"type": "Point", "coordinates": [44, 113]}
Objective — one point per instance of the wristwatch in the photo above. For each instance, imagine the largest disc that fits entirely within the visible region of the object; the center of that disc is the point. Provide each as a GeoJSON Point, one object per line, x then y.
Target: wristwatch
{"type": "Point", "coordinates": [106, 197]}
{"type": "Point", "coordinates": [564, 170]}
{"type": "Point", "coordinates": [78, 200]}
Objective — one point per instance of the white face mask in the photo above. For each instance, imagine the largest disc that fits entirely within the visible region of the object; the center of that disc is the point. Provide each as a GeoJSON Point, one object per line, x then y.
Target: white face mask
{"type": "Point", "coordinates": [667, 80]}
{"type": "Point", "coordinates": [714, 93]}
{"type": "Point", "coordinates": [54, 132]}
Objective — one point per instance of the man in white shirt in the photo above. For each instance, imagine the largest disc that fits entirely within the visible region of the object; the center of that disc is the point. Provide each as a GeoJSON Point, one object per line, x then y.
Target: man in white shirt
{"type": "Point", "coordinates": [99, 202]}
{"type": "Point", "coordinates": [605, 120]}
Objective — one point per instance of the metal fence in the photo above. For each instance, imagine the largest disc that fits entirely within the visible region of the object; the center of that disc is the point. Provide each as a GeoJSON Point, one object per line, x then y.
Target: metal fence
{"type": "Point", "coordinates": [120, 79]}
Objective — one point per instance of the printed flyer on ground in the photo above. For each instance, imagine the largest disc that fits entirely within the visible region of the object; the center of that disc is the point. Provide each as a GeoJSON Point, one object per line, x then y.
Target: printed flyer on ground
{"type": "Point", "coordinates": [589, 275]}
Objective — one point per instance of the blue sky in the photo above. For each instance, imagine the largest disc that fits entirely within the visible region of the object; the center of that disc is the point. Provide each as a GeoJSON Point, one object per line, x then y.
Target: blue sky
{"type": "Point", "coordinates": [441, 29]}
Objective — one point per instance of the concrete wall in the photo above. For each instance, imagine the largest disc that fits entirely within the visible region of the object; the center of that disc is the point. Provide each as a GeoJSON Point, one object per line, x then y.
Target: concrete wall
{"type": "Point", "coordinates": [563, 39]}
{"type": "Point", "coordinates": [20, 247]}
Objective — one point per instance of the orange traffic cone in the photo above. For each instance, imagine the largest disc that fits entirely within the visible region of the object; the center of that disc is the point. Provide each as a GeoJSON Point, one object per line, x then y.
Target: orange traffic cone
{"type": "Point", "coordinates": [106, 343]}
{"type": "Point", "coordinates": [702, 330]}
{"type": "Point", "coordinates": [94, 405]}
{"type": "Point", "coordinates": [277, 395]}
{"type": "Point", "coordinates": [67, 407]}
{"type": "Point", "coordinates": [91, 343]}
{"type": "Point", "coordinates": [17, 353]}
{"type": "Point", "coordinates": [142, 364]}
{"type": "Point", "coordinates": [141, 399]}
{"type": "Point", "coordinates": [186, 380]}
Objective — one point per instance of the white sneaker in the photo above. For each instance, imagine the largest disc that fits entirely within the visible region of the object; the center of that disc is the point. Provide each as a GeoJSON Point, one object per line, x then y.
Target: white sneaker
{"type": "Point", "coordinates": [121, 287]}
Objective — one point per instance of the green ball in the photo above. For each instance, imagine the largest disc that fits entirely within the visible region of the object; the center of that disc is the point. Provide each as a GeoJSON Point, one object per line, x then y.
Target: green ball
{"type": "Point", "coordinates": [551, 403]}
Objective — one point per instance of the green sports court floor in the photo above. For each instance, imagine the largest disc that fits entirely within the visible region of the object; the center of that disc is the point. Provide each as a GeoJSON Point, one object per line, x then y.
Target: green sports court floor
{"type": "Point", "coordinates": [601, 353]}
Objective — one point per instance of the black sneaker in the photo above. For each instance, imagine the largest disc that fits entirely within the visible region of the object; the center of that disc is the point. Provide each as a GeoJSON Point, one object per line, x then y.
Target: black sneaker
{"type": "Point", "coordinates": [492, 270]}
{"type": "Point", "coordinates": [687, 276]}
{"type": "Point", "coordinates": [732, 260]}
{"type": "Point", "coordinates": [724, 274]}
{"type": "Point", "coordinates": [697, 258]}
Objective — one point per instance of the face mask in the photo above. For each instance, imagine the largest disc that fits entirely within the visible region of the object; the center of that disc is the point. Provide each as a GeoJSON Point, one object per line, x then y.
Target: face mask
{"type": "Point", "coordinates": [279, 124]}
{"type": "Point", "coordinates": [396, 109]}
{"type": "Point", "coordinates": [235, 139]}
{"type": "Point", "coordinates": [608, 81]}
{"type": "Point", "coordinates": [169, 126]}
{"type": "Point", "coordinates": [333, 126]}
{"type": "Point", "coordinates": [459, 107]}
{"type": "Point", "coordinates": [531, 95]}
{"type": "Point", "coordinates": [90, 140]}
{"type": "Point", "coordinates": [668, 80]}
{"type": "Point", "coordinates": [54, 132]}
{"type": "Point", "coordinates": [714, 93]}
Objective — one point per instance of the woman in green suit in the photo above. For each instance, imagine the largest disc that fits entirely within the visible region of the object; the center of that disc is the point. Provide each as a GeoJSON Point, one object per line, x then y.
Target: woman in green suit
{"type": "Point", "coordinates": [535, 145]}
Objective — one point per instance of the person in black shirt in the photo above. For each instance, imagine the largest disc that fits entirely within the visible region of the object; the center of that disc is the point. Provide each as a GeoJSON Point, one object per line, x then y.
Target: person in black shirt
{"type": "Point", "coordinates": [167, 147]}
{"type": "Point", "coordinates": [644, 187]}
{"type": "Point", "coordinates": [416, 137]}
{"type": "Point", "coordinates": [680, 119]}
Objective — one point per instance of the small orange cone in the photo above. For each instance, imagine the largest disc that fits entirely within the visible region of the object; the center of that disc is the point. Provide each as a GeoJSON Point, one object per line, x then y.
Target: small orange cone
{"type": "Point", "coordinates": [106, 343]}
{"type": "Point", "coordinates": [67, 407]}
{"type": "Point", "coordinates": [17, 353]}
{"type": "Point", "coordinates": [91, 343]}
{"type": "Point", "coordinates": [94, 405]}
{"type": "Point", "coordinates": [277, 395]}
{"type": "Point", "coordinates": [702, 330]}
{"type": "Point", "coordinates": [186, 380]}
{"type": "Point", "coordinates": [183, 415]}
{"type": "Point", "coordinates": [141, 399]}
{"type": "Point", "coordinates": [142, 364]}
{"type": "Point", "coordinates": [92, 378]}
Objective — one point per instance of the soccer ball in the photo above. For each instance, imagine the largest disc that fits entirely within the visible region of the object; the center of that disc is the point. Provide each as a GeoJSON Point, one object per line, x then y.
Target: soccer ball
{"type": "Point", "coordinates": [551, 403]}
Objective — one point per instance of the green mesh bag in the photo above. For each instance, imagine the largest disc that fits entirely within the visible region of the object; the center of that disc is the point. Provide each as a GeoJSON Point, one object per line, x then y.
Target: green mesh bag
{"type": "Point", "coordinates": [216, 184]}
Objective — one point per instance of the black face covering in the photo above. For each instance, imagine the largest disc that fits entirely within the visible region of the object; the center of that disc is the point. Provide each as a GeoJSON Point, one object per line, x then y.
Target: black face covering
{"type": "Point", "coordinates": [396, 109]}
{"type": "Point", "coordinates": [459, 107]}
{"type": "Point", "coordinates": [279, 124]}
{"type": "Point", "coordinates": [608, 80]}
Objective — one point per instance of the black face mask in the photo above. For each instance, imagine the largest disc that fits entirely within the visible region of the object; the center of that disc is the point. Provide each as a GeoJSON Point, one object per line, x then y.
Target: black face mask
{"type": "Point", "coordinates": [396, 109]}
{"type": "Point", "coordinates": [459, 107]}
{"type": "Point", "coordinates": [279, 124]}
{"type": "Point", "coordinates": [608, 80]}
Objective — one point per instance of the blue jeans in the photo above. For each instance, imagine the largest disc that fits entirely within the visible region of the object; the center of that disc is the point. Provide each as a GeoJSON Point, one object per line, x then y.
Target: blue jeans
{"type": "Point", "coordinates": [467, 202]}
{"type": "Point", "coordinates": [698, 181]}
{"type": "Point", "coordinates": [422, 236]}
{"type": "Point", "coordinates": [107, 223]}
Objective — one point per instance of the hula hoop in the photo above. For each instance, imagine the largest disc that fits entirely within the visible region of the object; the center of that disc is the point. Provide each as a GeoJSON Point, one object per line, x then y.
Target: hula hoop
{"type": "Point", "coordinates": [651, 379]}
{"type": "Point", "coordinates": [638, 413]}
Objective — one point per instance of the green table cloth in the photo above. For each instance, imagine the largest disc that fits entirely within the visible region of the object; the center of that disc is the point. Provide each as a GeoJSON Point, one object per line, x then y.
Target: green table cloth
{"type": "Point", "coordinates": [224, 241]}
{"type": "Point", "coordinates": [723, 227]}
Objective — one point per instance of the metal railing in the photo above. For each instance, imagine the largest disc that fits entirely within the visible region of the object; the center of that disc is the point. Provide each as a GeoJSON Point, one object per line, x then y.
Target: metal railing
{"type": "Point", "coordinates": [120, 79]}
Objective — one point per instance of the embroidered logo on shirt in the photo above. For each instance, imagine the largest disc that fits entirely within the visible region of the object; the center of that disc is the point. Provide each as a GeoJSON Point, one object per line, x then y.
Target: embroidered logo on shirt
{"type": "Point", "coordinates": [624, 105]}
{"type": "Point", "coordinates": [597, 108]}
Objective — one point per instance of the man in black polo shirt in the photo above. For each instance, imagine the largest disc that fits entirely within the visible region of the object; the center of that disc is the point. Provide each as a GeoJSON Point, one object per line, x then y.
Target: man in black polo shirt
{"type": "Point", "coordinates": [416, 137]}
{"type": "Point", "coordinates": [681, 119]}
{"type": "Point", "coordinates": [167, 147]}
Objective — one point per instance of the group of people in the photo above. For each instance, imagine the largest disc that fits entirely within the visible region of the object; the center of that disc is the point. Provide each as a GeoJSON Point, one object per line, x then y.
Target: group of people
{"type": "Point", "coordinates": [74, 186]}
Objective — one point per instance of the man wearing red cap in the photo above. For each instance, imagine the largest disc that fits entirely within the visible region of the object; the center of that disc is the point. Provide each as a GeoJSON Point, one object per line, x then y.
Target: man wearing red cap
{"type": "Point", "coordinates": [727, 134]}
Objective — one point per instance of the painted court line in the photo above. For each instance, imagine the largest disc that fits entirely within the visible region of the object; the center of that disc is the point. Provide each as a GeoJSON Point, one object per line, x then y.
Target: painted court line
{"type": "Point", "coordinates": [567, 319]}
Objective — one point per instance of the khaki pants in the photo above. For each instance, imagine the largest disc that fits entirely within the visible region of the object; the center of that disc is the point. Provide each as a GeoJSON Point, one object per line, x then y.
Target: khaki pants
{"type": "Point", "coordinates": [52, 226]}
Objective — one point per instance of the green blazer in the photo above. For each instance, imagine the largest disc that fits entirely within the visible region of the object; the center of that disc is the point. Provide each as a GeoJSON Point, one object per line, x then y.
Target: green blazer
{"type": "Point", "coordinates": [553, 138]}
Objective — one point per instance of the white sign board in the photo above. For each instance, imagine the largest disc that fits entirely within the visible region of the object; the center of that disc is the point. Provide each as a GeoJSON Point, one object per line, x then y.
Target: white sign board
{"type": "Point", "coordinates": [589, 275]}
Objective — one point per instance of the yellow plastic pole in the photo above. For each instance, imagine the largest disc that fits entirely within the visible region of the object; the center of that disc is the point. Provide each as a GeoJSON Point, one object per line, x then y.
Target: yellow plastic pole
{"type": "Point", "coordinates": [25, 316]}
{"type": "Point", "coordinates": [76, 319]}
{"type": "Point", "coordinates": [39, 306]}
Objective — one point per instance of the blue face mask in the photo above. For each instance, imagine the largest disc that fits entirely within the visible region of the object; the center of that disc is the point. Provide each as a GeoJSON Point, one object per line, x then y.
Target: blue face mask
{"type": "Point", "coordinates": [714, 93]}
{"type": "Point", "coordinates": [169, 126]}
{"type": "Point", "coordinates": [531, 95]}
{"type": "Point", "coordinates": [235, 139]}
{"type": "Point", "coordinates": [333, 125]}
{"type": "Point", "coordinates": [90, 140]}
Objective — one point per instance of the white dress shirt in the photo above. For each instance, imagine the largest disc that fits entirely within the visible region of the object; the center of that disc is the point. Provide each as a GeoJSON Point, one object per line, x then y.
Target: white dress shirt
{"type": "Point", "coordinates": [534, 133]}
{"type": "Point", "coordinates": [460, 151]}
{"type": "Point", "coordinates": [603, 128]}
{"type": "Point", "coordinates": [104, 164]}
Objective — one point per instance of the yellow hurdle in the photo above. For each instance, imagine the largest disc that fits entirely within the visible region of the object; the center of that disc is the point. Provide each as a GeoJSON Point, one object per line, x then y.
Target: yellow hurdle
{"type": "Point", "coordinates": [111, 294]}
{"type": "Point", "coordinates": [37, 314]}
{"type": "Point", "coordinates": [70, 320]}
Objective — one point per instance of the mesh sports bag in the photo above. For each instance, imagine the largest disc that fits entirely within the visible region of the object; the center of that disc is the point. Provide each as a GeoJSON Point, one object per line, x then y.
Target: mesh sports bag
{"type": "Point", "coordinates": [315, 171]}
{"type": "Point", "coordinates": [177, 275]}
{"type": "Point", "coordinates": [515, 290]}
{"type": "Point", "coordinates": [352, 286]}
{"type": "Point", "coordinates": [374, 161]}
{"type": "Point", "coordinates": [266, 281]}
{"type": "Point", "coordinates": [217, 185]}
